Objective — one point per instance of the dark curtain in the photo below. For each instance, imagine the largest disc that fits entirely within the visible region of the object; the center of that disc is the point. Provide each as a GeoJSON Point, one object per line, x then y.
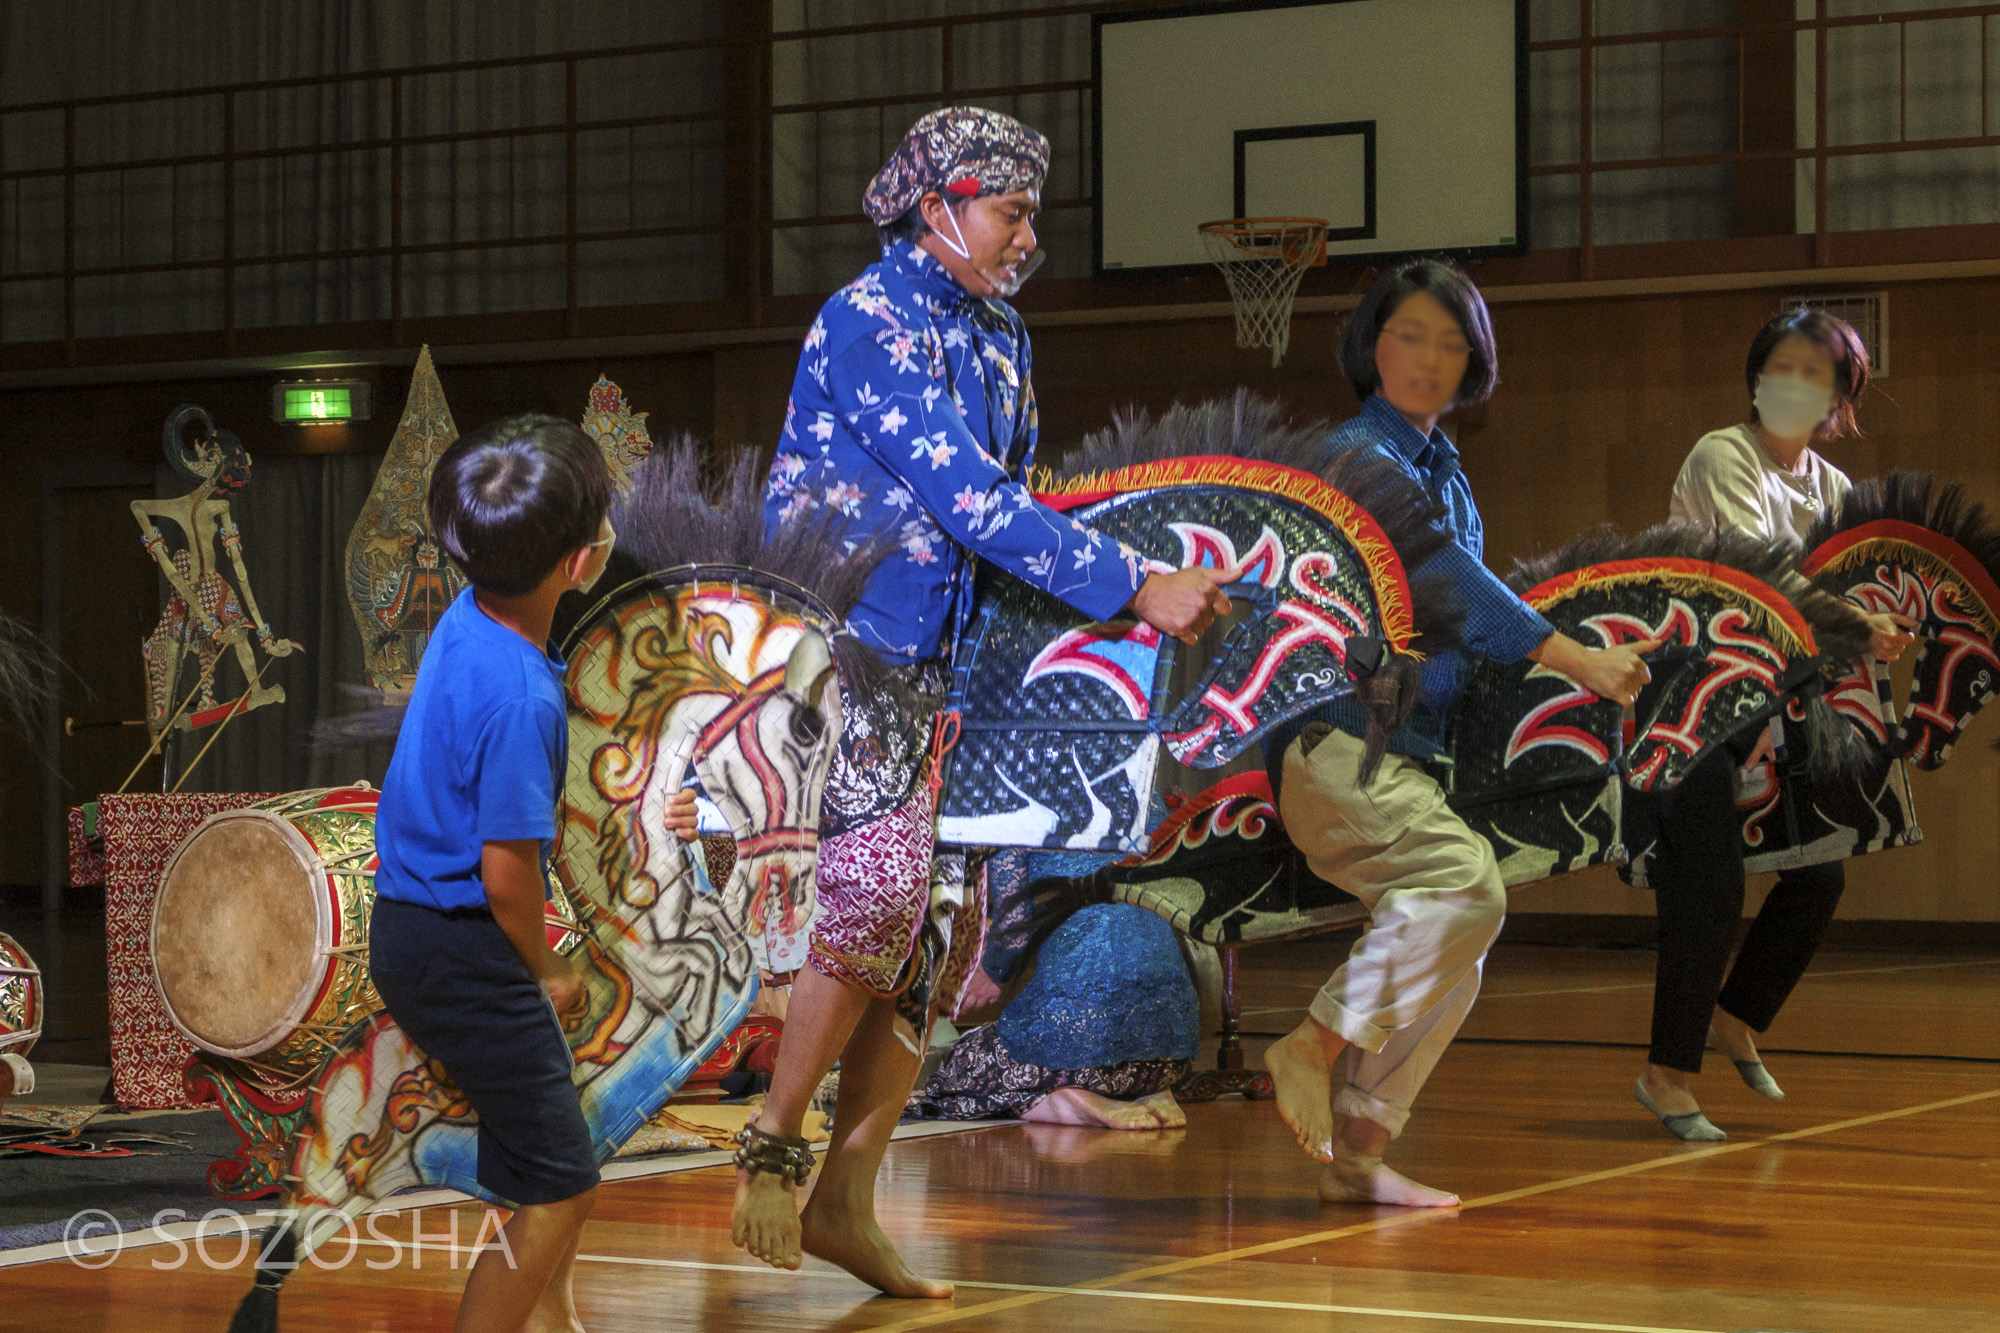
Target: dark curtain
{"type": "Point", "coordinates": [295, 518]}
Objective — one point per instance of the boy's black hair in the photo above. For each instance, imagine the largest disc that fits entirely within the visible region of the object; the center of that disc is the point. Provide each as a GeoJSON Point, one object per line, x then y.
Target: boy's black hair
{"type": "Point", "coordinates": [1449, 287]}
{"type": "Point", "coordinates": [510, 500]}
{"type": "Point", "coordinates": [1842, 343]}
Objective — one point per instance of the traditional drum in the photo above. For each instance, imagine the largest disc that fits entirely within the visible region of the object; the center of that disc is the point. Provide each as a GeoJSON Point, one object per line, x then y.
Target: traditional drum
{"type": "Point", "coordinates": [260, 930]}
{"type": "Point", "coordinates": [20, 1017]}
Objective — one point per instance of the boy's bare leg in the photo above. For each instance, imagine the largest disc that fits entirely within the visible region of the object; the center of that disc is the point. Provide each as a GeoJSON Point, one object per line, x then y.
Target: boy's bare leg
{"type": "Point", "coordinates": [1301, 1064]}
{"type": "Point", "coordinates": [556, 1311]}
{"type": "Point", "coordinates": [820, 1022]}
{"type": "Point", "coordinates": [877, 1072]}
{"type": "Point", "coordinates": [501, 1297]}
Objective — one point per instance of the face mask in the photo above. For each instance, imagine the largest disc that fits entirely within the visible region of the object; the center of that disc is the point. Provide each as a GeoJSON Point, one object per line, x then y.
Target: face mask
{"type": "Point", "coordinates": [1790, 407]}
{"type": "Point", "coordinates": [1004, 282]}
{"type": "Point", "coordinates": [609, 541]}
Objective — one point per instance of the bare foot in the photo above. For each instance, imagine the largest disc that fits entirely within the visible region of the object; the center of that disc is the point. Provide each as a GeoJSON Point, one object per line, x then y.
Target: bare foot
{"type": "Point", "coordinates": [1077, 1106]}
{"type": "Point", "coordinates": [1354, 1179]}
{"type": "Point", "coordinates": [1163, 1108]}
{"type": "Point", "coordinates": [1301, 1070]}
{"type": "Point", "coordinates": [849, 1238]}
{"type": "Point", "coordinates": [545, 1320]}
{"type": "Point", "coordinates": [765, 1220]}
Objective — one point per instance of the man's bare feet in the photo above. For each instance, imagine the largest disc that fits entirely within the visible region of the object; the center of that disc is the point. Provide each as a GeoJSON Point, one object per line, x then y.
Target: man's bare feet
{"type": "Point", "coordinates": [1351, 1178]}
{"type": "Point", "coordinates": [1078, 1106]}
{"type": "Point", "coordinates": [765, 1220]}
{"type": "Point", "coordinates": [1301, 1069]}
{"type": "Point", "coordinates": [1164, 1109]}
{"type": "Point", "coordinates": [849, 1238]}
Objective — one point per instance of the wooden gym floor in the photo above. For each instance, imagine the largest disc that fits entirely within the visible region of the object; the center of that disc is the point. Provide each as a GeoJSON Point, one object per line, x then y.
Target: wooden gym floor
{"type": "Point", "coordinates": [1862, 1204]}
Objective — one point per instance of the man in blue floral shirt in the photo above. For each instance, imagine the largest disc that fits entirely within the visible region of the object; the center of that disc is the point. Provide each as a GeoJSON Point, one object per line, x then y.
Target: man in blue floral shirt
{"type": "Point", "coordinates": [912, 414]}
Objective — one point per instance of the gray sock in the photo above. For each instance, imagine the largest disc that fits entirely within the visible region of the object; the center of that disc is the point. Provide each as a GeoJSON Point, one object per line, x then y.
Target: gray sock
{"type": "Point", "coordinates": [1759, 1079]}
{"type": "Point", "coordinates": [1692, 1126]}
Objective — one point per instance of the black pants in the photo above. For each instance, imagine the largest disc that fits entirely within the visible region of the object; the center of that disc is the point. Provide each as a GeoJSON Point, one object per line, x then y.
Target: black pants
{"type": "Point", "coordinates": [1696, 873]}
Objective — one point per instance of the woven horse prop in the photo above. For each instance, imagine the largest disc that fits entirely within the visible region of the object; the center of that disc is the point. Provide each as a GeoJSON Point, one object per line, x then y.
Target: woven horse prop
{"type": "Point", "coordinates": [1915, 545]}
{"type": "Point", "coordinates": [724, 663]}
{"type": "Point", "coordinates": [1540, 765]}
{"type": "Point", "coordinates": [1064, 721]}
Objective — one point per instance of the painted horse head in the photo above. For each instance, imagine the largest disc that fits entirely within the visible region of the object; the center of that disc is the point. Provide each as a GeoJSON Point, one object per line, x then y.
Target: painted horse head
{"type": "Point", "coordinates": [722, 661]}
{"type": "Point", "coordinates": [1540, 762]}
{"type": "Point", "coordinates": [1064, 719]}
{"type": "Point", "coordinates": [1744, 631]}
{"type": "Point", "coordinates": [719, 665]}
{"type": "Point", "coordinates": [1918, 546]}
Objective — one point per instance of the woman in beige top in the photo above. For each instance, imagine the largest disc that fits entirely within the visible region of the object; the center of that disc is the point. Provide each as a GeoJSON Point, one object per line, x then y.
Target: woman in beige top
{"type": "Point", "coordinates": [1805, 371]}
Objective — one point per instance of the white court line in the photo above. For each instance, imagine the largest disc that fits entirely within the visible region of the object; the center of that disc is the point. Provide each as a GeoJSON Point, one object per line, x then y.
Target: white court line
{"type": "Point", "coordinates": [1505, 1321]}
{"type": "Point", "coordinates": [1421, 1216]}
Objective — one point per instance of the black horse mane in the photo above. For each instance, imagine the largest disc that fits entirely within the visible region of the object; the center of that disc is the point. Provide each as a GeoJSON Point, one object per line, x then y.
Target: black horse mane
{"type": "Point", "coordinates": [27, 679]}
{"type": "Point", "coordinates": [674, 514]}
{"type": "Point", "coordinates": [1922, 498]}
{"type": "Point", "coordinates": [1253, 428]}
{"type": "Point", "coordinates": [1837, 627]}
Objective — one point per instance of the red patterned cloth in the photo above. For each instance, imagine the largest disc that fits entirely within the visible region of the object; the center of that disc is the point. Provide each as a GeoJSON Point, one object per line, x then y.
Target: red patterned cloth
{"type": "Point", "coordinates": [86, 854]}
{"type": "Point", "coordinates": [141, 832]}
{"type": "Point", "coordinates": [874, 889]}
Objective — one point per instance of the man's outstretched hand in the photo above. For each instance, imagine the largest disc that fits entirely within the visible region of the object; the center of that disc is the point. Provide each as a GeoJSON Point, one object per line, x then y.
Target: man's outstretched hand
{"type": "Point", "coordinates": [1183, 603]}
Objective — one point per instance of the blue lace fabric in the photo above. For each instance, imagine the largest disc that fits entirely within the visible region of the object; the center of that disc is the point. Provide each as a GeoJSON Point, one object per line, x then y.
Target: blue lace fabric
{"type": "Point", "coordinates": [1110, 986]}
{"type": "Point", "coordinates": [1111, 1009]}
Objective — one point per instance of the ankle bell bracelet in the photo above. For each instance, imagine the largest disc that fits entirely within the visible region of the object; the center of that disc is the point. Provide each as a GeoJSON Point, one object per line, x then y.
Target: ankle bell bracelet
{"type": "Point", "coordinates": [773, 1154]}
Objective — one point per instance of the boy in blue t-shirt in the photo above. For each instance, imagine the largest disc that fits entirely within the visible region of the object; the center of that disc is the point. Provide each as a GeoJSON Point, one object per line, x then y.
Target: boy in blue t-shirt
{"type": "Point", "coordinates": [457, 948]}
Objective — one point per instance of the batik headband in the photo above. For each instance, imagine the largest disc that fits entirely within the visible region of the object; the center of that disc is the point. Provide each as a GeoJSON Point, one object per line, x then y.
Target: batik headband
{"type": "Point", "coordinates": [967, 151]}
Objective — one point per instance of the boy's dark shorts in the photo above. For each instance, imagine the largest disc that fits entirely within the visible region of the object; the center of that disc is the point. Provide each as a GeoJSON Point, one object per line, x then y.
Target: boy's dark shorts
{"type": "Point", "coordinates": [455, 985]}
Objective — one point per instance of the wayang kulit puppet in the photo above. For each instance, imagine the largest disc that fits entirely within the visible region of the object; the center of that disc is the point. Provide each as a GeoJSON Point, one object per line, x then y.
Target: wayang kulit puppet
{"type": "Point", "coordinates": [205, 616]}
{"type": "Point", "coordinates": [399, 580]}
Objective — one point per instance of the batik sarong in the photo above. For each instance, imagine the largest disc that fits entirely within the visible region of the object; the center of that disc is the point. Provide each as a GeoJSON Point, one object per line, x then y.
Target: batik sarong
{"type": "Point", "coordinates": [897, 915]}
{"type": "Point", "coordinates": [981, 1080]}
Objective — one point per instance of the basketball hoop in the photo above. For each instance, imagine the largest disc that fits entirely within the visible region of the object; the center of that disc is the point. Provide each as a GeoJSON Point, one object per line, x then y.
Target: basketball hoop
{"type": "Point", "coordinates": [1262, 260]}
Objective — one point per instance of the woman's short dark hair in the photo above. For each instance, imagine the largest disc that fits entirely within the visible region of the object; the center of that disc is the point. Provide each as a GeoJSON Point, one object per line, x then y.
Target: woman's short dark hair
{"type": "Point", "coordinates": [1449, 287]}
{"type": "Point", "coordinates": [1842, 343]}
{"type": "Point", "coordinates": [510, 500]}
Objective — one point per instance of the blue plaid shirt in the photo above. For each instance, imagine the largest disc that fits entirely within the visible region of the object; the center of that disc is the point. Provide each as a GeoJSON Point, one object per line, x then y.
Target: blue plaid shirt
{"type": "Point", "coordinates": [913, 414]}
{"type": "Point", "coordinates": [1498, 625]}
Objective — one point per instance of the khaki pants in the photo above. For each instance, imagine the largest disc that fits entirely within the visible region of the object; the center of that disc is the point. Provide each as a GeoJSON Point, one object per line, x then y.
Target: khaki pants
{"type": "Point", "coordinates": [1435, 894]}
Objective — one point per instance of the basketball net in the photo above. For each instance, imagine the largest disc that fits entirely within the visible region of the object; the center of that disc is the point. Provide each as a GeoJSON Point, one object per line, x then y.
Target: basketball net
{"type": "Point", "coordinates": [1262, 260]}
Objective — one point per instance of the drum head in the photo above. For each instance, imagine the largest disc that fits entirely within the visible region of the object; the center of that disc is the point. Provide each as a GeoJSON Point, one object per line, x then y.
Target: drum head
{"type": "Point", "coordinates": [238, 933]}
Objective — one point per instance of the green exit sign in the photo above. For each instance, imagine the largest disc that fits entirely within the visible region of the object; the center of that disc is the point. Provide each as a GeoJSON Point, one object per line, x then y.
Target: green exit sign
{"type": "Point", "coordinates": [319, 402]}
